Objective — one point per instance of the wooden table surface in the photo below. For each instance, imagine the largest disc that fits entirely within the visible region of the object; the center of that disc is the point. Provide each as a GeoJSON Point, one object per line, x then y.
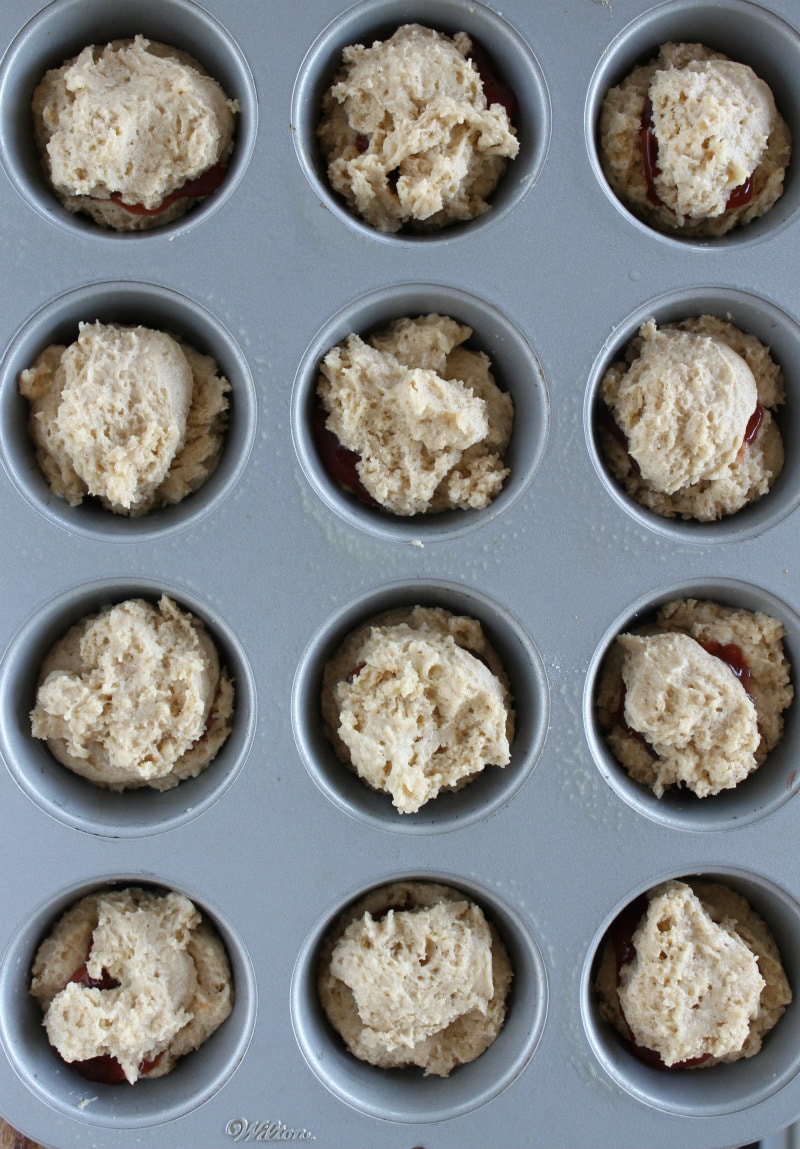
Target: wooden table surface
{"type": "Point", "coordinates": [10, 1139]}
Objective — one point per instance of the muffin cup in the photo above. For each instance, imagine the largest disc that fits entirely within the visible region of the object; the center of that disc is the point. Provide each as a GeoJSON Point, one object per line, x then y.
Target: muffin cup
{"type": "Point", "coordinates": [515, 369]}
{"type": "Point", "coordinates": [126, 304]}
{"type": "Point", "coordinates": [59, 32]}
{"type": "Point", "coordinates": [744, 32]}
{"type": "Point", "coordinates": [376, 20]}
{"type": "Point", "coordinates": [405, 1095]}
{"type": "Point", "coordinates": [73, 800]}
{"type": "Point", "coordinates": [494, 786]}
{"type": "Point", "coordinates": [719, 1089]}
{"type": "Point", "coordinates": [196, 1076]}
{"type": "Point", "coordinates": [760, 794]}
{"type": "Point", "coordinates": [777, 331]}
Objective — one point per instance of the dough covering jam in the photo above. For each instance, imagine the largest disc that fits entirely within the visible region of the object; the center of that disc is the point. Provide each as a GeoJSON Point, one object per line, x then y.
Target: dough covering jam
{"type": "Point", "coordinates": [416, 702]}
{"type": "Point", "coordinates": [689, 427]}
{"type": "Point", "coordinates": [693, 143]}
{"type": "Point", "coordinates": [127, 415]}
{"type": "Point", "coordinates": [414, 974]}
{"type": "Point", "coordinates": [132, 134]}
{"type": "Point", "coordinates": [408, 134]}
{"type": "Point", "coordinates": [691, 976]}
{"type": "Point", "coordinates": [422, 414]}
{"type": "Point", "coordinates": [695, 700]}
{"type": "Point", "coordinates": [134, 696]}
{"type": "Point", "coordinates": [129, 981]}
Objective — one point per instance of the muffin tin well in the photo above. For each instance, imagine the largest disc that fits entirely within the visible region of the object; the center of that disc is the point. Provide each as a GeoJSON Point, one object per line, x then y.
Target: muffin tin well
{"type": "Point", "coordinates": [276, 838]}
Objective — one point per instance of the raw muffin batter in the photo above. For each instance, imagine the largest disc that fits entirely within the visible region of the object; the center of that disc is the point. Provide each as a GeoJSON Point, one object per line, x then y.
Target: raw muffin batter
{"type": "Point", "coordinates": [425, 425]}
{"type": "Point", "coordinates": [130, 416]}
{"type": "Point", "coordinates": [417, 702]}
{"type": "Point", "coordinates": [408, 134]}
{"type": "Point", "coordinates": [692, 142]}
{"type": "Point", "coordinates": [129, 981]}
{"type": "Point", "coordinates": [691, 976]}
{"type": "Point", "coordinates": [414, 974]}
{"type": "Point", "coordinates": [133, 133]}
{"type": "Point", "coordinates": [689, 428]}
{"type": "Point", "coordinates": [134, 696]}
{"type": "Point", "coordinates": [695, 700]}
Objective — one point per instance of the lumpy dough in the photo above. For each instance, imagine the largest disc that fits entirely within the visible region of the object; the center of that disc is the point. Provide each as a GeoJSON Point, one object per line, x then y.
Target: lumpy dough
{"type": "Point", "coordinates": [677, 715]}
{"type": "Point", "coordinates": [128, 415]}
{"type": "Point", "coordinates": [423, 413]}
{"type": "Point", "coordinates": [706, 982]}
{"type": "Point", "coordinates": [417, 702]}
{"type": "Point", "coordinates": [695, 403]}
{"type": "Point", "coordinates": [134, 696]}
{"type": "Point", "coordinates": [695, 714]}
{"type": "Point", "coordinates": [407, 132]}
{"type": "Point", "coordinates": [415, 975]}
{"type": "Point", "coordinates": [135, 120]}
{"type": "Point", "coordinates": [174, 981]}
{"type": "Point", "coordinates": [716, 127]}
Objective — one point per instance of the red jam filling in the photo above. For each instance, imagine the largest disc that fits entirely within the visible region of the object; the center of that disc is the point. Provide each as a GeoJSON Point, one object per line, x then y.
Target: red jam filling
{"type": "Point", "coordinates": [105, 981]}
{"type": "Point", "coordinates": [622, 932]}
{"type": "Point", "coordinates": [205, 185]}
{"type": "Point", "coordinates": [338, 461]}
{"type": "Point", "coordinates": [648, 142]}
{"type": "Point", "coordinates": [495, 90]}
{"type": "Point", "coordinates": [754, 425]}
{"type": "Point", "coordinates": [733, 657]}
{"type": "Point", "coordinates": [105, 1069]}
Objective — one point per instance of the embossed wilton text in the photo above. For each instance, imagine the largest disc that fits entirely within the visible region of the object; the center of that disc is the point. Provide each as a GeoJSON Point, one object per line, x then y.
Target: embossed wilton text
{"type": "Point", "coordinates": [242, 1130]}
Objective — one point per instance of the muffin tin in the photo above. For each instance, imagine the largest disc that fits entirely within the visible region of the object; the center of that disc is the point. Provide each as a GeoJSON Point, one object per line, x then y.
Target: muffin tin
{"type": "Point", "coordinates": [274, 839]}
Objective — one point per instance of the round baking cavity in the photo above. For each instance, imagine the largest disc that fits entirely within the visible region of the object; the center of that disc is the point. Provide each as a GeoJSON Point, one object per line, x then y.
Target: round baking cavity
{"type": "Point", "coordinates": [743, 31]}
{"type": "Point", "coordinates": [514, 365]}
{"type": "Point", "coordinates": [762, 792]}
{"type": "Point", "coordinates": [377, 20]}
{"type": "Point", "coordinates": [777, 331]}
{"type": "Point", "coordinates": [195, 1078]}
{"type": "Point", "coordinates": [60, 31]}
{"type": "Point", "coordinates": [133, 304]}
{"type": "Point", "coordinates": [494, 786]}
{"type": "Point", "coordinates": [406, 1095]}
{"type": "Point", "coordinates": [73, 800]}
{"type": "Point", "coordinates": [719, 1089]}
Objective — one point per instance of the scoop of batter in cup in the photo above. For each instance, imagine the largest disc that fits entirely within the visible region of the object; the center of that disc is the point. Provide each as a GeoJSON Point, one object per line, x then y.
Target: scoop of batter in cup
{"type": "Point", "coordinates": [689, 427]}
{"type": "Point", "coordinates": [693, 143]}
{"type": "Point", "coordinates": [134, 696]}
{"type": "Point", "coordinates": [691, 976]}
{"type": "Point", "coordinates": [412, 419]}
{"type": "Point", "coordinates": [416, 702]}
{"type": "Point", "coordinates": [696, 699]}
{"type": "Point", "coordinates": [129, 981]}
{"type": "Point", "coordinates": [414, 974]}
{"type": "Point", "coordinates": [408, 134]}
{"type": "Point", "coordinates": [127, 415]}
{"type": "Point", "coordinates": [133, 134]}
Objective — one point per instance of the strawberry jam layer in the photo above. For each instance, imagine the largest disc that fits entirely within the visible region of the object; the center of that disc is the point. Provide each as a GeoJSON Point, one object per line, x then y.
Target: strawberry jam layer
{"type": "Point", "coordinates": [205, 185]}
{"type": "Point", "coordinates": [340, 463]}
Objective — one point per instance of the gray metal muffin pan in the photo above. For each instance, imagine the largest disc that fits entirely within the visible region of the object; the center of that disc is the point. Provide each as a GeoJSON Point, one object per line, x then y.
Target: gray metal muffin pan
{"type": "Point", "coordinates": [275, 839]}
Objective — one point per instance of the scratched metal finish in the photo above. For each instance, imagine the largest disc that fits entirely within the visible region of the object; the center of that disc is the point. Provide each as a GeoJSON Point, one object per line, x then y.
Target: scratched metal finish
{"type": "Point", "coordinates": [272, 842]}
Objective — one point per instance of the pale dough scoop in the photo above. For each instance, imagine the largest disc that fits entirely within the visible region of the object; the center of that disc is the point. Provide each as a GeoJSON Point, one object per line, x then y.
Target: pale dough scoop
{"type": "Point", "coordinates": [712, 119]}
{"type": "Point", "coordinates": [684, 406]}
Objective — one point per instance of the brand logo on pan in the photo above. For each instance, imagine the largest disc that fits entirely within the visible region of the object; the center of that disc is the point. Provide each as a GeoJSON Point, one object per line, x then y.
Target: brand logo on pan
{"type": "Point", "coordinates": [240, 1129]}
